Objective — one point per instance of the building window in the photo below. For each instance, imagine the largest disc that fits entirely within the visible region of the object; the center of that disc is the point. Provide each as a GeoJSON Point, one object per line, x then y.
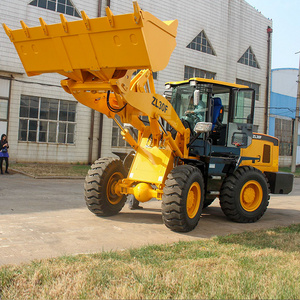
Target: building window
{"type": "Point", "coordinates": [47, 120]}
{"type": "Point", "coordinates": [248, 58]}
{"type": "Point", "coordinates": [190, 72]}
{"type": "Point", "coordinates": [61, 6]}
{"type": "Point", "coordinates": [201, 43]}
{"type": "Point", "coordinates": [117, 138]}
{"type": "Point", "coordinates": [284, 132]}
{"type": "Point", "coordinates": [154, 74]}
{"type": "Point", "coordinates": [251, 85]}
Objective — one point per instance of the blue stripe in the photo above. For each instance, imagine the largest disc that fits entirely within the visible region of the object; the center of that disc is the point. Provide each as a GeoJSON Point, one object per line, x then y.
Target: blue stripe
{"type": "Point", "coordinates": [282, 105]}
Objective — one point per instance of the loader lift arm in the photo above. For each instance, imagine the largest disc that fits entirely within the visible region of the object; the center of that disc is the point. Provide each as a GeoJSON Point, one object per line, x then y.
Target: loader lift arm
{"type": "Point", "coordinates": [98, 57]}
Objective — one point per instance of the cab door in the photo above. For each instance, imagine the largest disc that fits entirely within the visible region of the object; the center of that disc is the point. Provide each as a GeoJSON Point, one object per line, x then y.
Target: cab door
{"type": "Point", "coordinates": [241, 113]}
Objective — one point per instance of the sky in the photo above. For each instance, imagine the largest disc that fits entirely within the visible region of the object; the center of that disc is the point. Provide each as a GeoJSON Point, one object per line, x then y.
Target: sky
{"type": "Point", "coordinates": [285, 15]}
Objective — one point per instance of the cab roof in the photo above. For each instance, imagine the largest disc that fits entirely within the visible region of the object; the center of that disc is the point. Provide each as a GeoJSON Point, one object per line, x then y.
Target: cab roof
{"type": "Point", "coordinates": [212, 81]}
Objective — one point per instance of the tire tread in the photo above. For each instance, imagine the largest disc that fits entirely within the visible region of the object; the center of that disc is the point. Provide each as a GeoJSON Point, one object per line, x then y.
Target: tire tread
{"type": "Point", "coordinates": [94, 187]}
{"type": "Point", "coordinates": [227, 195]}
{"type": "Point", "coordinates": [173, 206]}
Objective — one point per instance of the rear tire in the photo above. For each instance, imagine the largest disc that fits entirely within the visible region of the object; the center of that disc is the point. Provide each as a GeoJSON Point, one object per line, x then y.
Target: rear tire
{"type": "Point", "coordinates": [99, 184]}
{"type": "Point", "coordinates": [182, 200]}
{"type": "Point", "coordinates": [244, 195]}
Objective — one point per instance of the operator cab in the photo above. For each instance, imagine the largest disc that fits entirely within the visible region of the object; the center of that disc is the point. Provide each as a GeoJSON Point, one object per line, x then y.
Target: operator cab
{"type": "Point", "coordinates": [216, 111]}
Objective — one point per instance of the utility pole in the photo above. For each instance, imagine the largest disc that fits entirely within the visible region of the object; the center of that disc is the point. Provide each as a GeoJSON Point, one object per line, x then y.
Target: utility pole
{"type": "Point", "coordinates": [269, 31]}
{"type": "Point", "coordinates": [295, 137]}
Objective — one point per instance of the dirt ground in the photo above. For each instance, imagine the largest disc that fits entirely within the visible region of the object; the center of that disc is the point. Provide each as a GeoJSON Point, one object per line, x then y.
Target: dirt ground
{"type": "Point", "coordinates": [48, 170]}
{"type": "Point", "coordinates": [40, 170]}
{"type": "Point", "coordinates": [42, 218]}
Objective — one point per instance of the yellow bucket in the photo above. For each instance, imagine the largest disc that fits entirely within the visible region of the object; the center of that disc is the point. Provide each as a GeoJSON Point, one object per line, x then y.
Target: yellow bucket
{"type": "Point", "coordinates": [130, 41]}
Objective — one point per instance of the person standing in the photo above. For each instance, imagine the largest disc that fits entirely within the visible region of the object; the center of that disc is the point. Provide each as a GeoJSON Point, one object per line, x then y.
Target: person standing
{"type": "Point", "coordinates": [133, 203]}
{"type": "Point", "coordinates": [4, 153]}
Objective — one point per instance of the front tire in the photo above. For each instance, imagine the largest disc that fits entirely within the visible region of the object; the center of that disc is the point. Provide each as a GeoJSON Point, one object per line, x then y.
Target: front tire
{"type": "Point", "coordinates": [182, 200]}
{"type": "Point", "coordinates": [244, 195]}
{"type": "Point", "coordinates": [99, 187]}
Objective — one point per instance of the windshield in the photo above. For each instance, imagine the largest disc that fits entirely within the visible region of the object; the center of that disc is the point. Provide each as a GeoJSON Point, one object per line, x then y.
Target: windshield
{"type": "Point", "coordinates": [183, 102]}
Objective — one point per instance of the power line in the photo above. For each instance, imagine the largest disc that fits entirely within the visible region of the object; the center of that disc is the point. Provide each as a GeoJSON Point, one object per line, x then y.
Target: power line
{"type": "Point", "coordinates": [39, 83]}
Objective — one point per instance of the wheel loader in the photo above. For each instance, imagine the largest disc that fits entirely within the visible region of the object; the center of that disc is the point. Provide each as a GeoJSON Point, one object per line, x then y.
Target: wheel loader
{"type": "Point", "coordinates": [194, 144]}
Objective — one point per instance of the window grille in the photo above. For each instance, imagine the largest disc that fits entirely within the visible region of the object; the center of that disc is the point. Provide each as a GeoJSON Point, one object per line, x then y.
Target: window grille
{"type": "Point", "coordinates": [284, 132]}
{"type": "Point", "coordinates": [117, 138]}
{"type": "Point", "coordinates": [251, 85]}
{"type": "Point", "coordinates": [190, 72]}
{"type": "Point", "coordinates": [248, 58]}
{"type": "Point", "coordinates": [47, 120]}
{"type": "Point", "coordinates": [61, 6]}
{"type": "Point", "coordinates": [201, 43]}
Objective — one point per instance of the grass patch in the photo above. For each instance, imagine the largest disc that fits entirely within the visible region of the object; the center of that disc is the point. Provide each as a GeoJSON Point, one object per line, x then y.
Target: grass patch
{"type": "Point", "coordinates": [277, 238]}
{"type": "Point", "coordinates": [46, 169]}
{"type": "Point", "coordinates": [257, 265]}
{"type": "Point", "coordinates": [288, 170]}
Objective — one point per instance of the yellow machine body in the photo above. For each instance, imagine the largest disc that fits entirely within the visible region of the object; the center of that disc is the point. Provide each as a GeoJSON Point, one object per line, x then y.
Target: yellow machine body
{"type": "Point", "coordinates": [97, 57]}
{"type": "Point", "coordinates": [100, 55]}
{"type": "Point", "coordinates": [266, 149]}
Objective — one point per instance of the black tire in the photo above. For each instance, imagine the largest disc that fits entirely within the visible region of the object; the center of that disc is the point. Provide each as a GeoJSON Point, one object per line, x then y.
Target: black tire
{"type": "Point", "coordinates": [208, 202]}
{"type": "Point", "coordinates": [244, 195]}
{"type": "Point", "coordinates": [178, 213]}
{"type": "Point", "coordinates": [128, 161]}
{"type": "Point", "coordinates": [98, 187]}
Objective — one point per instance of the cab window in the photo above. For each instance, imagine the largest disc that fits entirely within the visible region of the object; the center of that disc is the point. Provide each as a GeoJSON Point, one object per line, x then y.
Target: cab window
{"type": "Point", "coordinates": [242, 111]}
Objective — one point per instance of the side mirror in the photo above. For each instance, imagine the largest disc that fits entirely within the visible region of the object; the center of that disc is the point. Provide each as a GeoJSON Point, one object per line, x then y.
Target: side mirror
{"type": "Point", "coordinates": [196, 97]}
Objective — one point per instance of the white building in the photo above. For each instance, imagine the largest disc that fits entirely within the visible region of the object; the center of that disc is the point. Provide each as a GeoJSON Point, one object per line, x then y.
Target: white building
{"type": "Point", "coordinates": [226, 40]}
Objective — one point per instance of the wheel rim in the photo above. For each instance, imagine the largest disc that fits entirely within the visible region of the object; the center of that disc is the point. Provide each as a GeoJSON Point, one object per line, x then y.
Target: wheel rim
{"type": "Point", "coordinates": [251, 195]}
{"type": "Point", "coordinates": [193, 200]}
{"type": "Point", "coordinates": [112, 197]}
